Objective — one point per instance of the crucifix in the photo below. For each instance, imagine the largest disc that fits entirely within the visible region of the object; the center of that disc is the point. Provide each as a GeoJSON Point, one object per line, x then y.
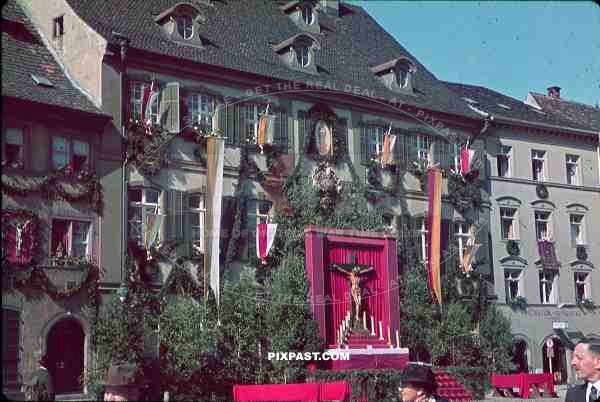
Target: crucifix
{"type": "Point", "coordinates": [19, 229]}
{"type": "Point", "coordinates": [354, 273]}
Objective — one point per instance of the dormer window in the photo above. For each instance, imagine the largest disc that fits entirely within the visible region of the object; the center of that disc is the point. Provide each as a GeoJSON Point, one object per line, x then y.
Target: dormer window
{"type": "Point", "coordinates": [397, 74]}
{"type": "Point", "coordinates": [303, 56]}
{"type": "Point", "coordinates": [298, 52]}
{"type": "Point", "coordinates": [185, 26]}
{"type": "Point", "coordinates": [308, 15]}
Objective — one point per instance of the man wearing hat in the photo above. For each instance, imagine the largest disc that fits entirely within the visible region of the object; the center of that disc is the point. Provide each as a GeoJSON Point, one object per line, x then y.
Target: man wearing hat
{"type": "Point", "coordinates": [122, 382]}
{"type": "Point", "coordinates": [418, 385]}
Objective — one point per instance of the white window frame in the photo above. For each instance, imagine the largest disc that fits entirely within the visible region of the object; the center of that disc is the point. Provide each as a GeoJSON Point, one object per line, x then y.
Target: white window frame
{"type": "Point", "coordinates": [584, 282]}
{"type": "Point", "coordinates": [375, 135]}
{"type": "Point", "coordinates": [512, 276]}
{"type": "Point", "coordinates": [573, 160]}
{"type": "Point", "coordinates": [71, 152]}
{"type": "Point", "coordinates": [251, 120]}
{"type": "Point", "coordinates": [513, 234]}
{"type": "Point", "coordinates": [308, 15]}
{"type": "Point", "coordinates": [200, 110]}
{"type": "Point", "coordinates": [402, 75]}
{"type": "Point", "coordinates": [16, 137]}
{"type": "Point", "coordinates": [539, 156]}
{"type": "Point", "coordinates": [461, 231]}
{"type": "Point", "coordinates": [137, 229]}
{"type": "Point", "coordinates": [303, 56]}
{"type": "Point", "coordinates": [136, 96]}
{"type": "Point", "coordinates": [184, 24]}
{"type": "Point", "coordinates": [581, 239]}
{"type": "Point", "coordinates": [196, 245]}
{"type": "Point", "coordinates": [422, 231]}
{"type": "Point", "coordinates": [548, 222]}
{"type": "Point", "coordinates": [545, 277]}
{"type": "Point", "coordinates": [424, 147]}
{"type": "Point", "coordinates": [505, 151]}
{"type": "Point", "coordinates": [68, 251]}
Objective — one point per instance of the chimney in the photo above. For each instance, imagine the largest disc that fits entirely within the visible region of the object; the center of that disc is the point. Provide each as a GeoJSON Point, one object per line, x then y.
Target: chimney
{"type": "Point", "coordinates": [554, 92]}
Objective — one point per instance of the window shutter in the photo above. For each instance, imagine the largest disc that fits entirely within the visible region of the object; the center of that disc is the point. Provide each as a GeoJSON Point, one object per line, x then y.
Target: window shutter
{"type": "Point", "coordinates": [175, 215]}
{"type": "Point", "coordinates": [364, 157]}
{"type": "Point", "coordinates": [169, 107]}
{"type": "Point", "coordinates": [281, 131]}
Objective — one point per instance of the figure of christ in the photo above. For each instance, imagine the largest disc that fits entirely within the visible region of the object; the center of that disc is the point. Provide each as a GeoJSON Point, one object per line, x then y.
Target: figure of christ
{"type": "Point", "coordinates": [20, 228]}
{"type": "Point", "coordinates": [355, 277]}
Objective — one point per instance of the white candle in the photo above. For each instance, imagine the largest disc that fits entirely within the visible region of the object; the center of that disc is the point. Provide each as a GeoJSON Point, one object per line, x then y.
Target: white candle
{"type": "Point", "coordinates": [372, 326]}
{"type": "Point", "coordinates": [389, 336]}
{"type": "Point", "coordinates": [365, 319]}
{"type": "Point", "coordinates": [397, 339]}
{"type": "Point", "coordinates": [381, 338]}
{"type": "Point", "coordinates": [343, 325]}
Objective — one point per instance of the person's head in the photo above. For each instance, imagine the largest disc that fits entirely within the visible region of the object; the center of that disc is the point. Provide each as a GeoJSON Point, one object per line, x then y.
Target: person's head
{"type": "Point", "coordinates": [122, 383]}
{"type": "Point", "coordinates": [586, 359]}
{"type": "Point", "coordinates": [417, 382]}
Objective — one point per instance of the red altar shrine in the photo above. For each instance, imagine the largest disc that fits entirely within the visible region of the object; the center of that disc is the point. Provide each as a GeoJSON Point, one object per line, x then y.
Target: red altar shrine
{"type": "Point", "coordinates": [372, 340]}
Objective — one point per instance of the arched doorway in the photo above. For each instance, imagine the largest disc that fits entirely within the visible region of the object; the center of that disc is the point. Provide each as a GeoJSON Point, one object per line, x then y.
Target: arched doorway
{"type": "Point", "coordinates": [65, 351]}
{"type": "Point", "coordinates": [520, 358]}
{"type": "Point", "coordinates": [555, 359]}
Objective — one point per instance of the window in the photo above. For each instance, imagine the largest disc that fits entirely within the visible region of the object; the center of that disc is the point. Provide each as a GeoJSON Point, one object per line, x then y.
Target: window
{"type": "Point", "coordinates": [509, 223]}
{"type": "Point", "coordinates": [538, 165]}
{"type": "Point", "coordinates": [136, 99]}
{"type": "Point", "coordinates": [71, 238]}
{"type": "Point", "coordinates": [577, 229]}
{"type": "Point", "coordinates": [185, 26]}
{"type": "Point", "coordinates": [572, 164]}
{"type": "Point", "coordinates": [423, 146]}
{"type": "Point", "coordinates": [462, 235]}
{"type": "Point", "coordinates": [401, 73]}
{"type": "Point", "coordinates": [543, 227]}
{"type": "Point", "coordinates": [548, 287]}
{"type": "Point", "coordinates": [374, 140]}
{"type": "Point", "coordinates": [258, 212]}
{"type": "Point", "coordinates": [142, 203]}
{"type": "Point", "coordinates": [504, 160]}
{"type": "Point", "coordinates": [302, 55]}
{"type": "Point", "coordinates": [251, 117]}
{"type": "Point", "coordinates": [307, 14]}
{"type": "Point", "coordinates": [11, 350]}
{"type": "Point", "coordinates": [581, 286]}
{"type": "Point", "coordinates": [12, 150]}
{"type": "Point", "coordinates": [422, 233]}
{"type": "Point", "coordinates": [58, 27]}
{"type": "Point", "coordinates": [196, 216]}
{"type": "Point", "coordinates": [512, 283]}
{"type": "Point", "coordinates": [201, 111]}
{"type": "Point", "coordinates": [74, 154]}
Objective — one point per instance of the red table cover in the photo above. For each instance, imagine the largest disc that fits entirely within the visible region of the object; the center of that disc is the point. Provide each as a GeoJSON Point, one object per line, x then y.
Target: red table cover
{"type": "Point", "coordinates": [524, 381]}
{"type": "Point", "coordinates": [312, 392]}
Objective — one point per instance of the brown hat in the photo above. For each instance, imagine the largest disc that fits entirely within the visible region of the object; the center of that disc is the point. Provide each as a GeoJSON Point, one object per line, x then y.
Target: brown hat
{"type": "Point", "coordinates": [123, 375]}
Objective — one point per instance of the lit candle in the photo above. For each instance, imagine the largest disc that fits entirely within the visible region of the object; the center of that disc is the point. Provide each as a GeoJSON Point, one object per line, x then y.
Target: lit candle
{"type": "Point", "coordinates": [389, 336]}
{"type": "Point", "coordinates": [372, 326]}
{"type": "Point", "coordinates": [381, 338]}
{"type": "Point", "coordinates": [365, 319]}
{"type": "Point", "coordinates": [397, 339]}
{"type": "Point", "coordinates": [343, 325]}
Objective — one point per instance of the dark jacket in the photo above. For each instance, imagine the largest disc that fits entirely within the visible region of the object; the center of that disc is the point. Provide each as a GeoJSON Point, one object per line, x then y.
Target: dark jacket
{"type": "Point", "coordinates": [41, 387]}
{"type": "Point", "coordinates": [576, 393]}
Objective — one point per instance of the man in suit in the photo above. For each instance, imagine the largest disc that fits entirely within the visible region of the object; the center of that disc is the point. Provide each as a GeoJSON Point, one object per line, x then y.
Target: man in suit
{"type": "Point", "coordinates": [41, 387]}
{"type": "Point", "coordinates": [418, 385]}
{"type": "Point", "coordinates": [586, 362]}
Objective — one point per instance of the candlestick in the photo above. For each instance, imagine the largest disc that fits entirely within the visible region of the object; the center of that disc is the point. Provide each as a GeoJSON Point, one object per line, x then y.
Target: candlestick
{"type": "Point", "coordinates": [397, 339]}
{"type": "Point", "coordinates": [381, 338]}
{"type": "Point", "coordinates": [372, 326]}
{"type": "Point", "coordinates": [365, 319]}
{"type": "Point", "coordinates": [343, 326]}
{"type": "Point", "coordinates": [389, 336]}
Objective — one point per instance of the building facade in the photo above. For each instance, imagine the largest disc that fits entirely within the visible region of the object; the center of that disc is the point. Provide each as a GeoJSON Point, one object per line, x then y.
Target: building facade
{"type": "Point", "coordinates": [543, 180]}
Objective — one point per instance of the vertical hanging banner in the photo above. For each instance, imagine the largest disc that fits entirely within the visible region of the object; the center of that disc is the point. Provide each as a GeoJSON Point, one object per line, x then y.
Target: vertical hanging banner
{"type": "Point", "coordinates": [389, 143]}
{"type": "Point", "coordinates": [265, 235]}
{"type": "Point", "coordinates": [266, 129]}
{"type": "Point", "coordinates": [149, 97]}
{"type": "Point", "coordinates": [215, 156]}
{"type": "Point", "coordinates": [468, 170]}
{"type": "Point", "coordinates": [434, 227]}
{"type": "Point", "coordinates": [471, 248]}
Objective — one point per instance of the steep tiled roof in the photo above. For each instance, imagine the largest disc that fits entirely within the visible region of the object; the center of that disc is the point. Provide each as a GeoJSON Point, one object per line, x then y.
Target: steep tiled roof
{"type": "Point", "coordinates": [500, 105]}
{"type": "Point", "coordinates": [575, 112]}
{"type": "Point", "coordinates": [240, 35]}
{"type": "Point", "coordinates": [24, 55]}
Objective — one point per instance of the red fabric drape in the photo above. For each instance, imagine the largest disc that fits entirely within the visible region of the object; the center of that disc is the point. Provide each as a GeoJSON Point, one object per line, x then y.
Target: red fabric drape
{"type": "Point", "coordinates": [334, 391]}
{"type": "Point", "coordinates": [374, 285]}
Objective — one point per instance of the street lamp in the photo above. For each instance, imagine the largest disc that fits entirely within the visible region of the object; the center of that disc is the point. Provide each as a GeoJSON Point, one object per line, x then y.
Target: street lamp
{"type": "Point", "coordinates": [122, 292]}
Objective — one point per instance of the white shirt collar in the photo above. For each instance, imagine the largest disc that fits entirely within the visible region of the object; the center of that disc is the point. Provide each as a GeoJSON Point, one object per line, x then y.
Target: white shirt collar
{"type": "Point", "coordinates": [596, 385]}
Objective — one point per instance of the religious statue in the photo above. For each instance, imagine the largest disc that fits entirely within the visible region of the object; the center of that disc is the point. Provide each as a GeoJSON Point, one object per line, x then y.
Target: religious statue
{"type": "Point", "coordinates": [20, 228]}
{"type": "Point", "coordinates": [329, 186]}
{"type": "Point", "coordinates": [354, 273]}
{"type": "Point", "coordinates": [324, 138]}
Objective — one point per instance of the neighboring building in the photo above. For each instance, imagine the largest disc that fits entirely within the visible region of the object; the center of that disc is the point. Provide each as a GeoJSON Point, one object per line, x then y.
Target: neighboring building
{"type": "Point", "coordinates": [58, 160]}
{"type": "Point", "coordinates": [543, 180]}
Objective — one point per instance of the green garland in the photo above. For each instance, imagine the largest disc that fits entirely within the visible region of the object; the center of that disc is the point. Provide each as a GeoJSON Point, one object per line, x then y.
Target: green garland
{"type": "Point", "coordinates": [464, 194]}
{"type": "Point", "coordinates": [51, 188]}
